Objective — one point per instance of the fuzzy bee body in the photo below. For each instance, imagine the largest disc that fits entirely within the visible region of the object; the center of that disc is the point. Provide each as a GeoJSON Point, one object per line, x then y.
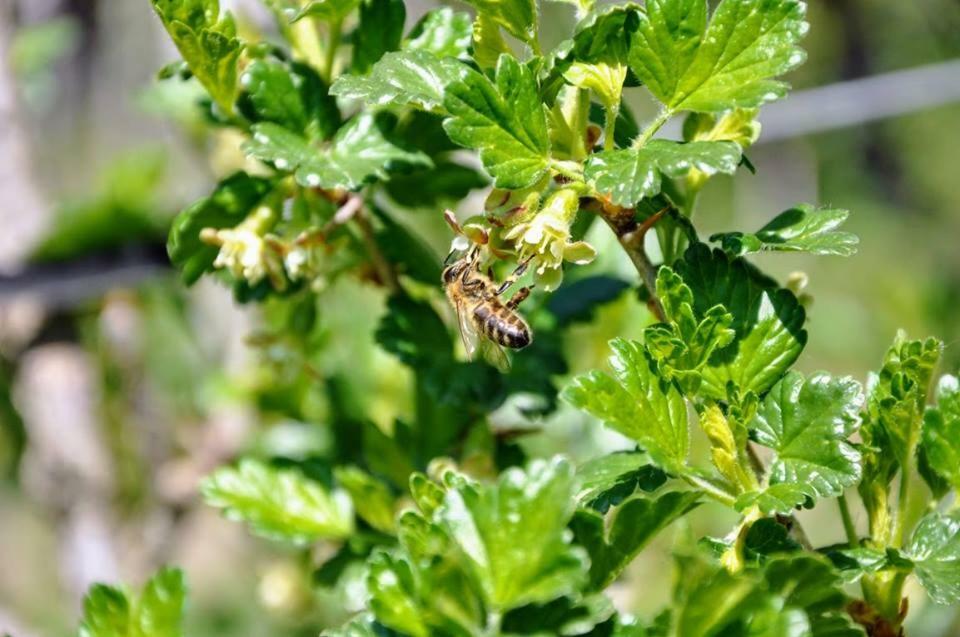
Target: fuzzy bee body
{"type": "Point", "coordinates": [480, 310]}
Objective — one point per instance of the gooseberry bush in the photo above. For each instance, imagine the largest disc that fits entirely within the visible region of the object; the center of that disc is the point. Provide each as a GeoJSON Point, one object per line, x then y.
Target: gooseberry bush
{"type": "Point", "coordinates": [360, 135]}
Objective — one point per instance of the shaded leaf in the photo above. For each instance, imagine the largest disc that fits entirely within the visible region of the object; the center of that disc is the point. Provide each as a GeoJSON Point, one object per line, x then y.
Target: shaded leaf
{"type": "Point", "coordinates": [609, 480]}
{"type": "Point", "coordinates": [371, 498]}
{"type": "Point", "coordinates": [632, 525]}
{"type": "Point", "coordinates": [379, 31]}
{"type": "Point", "coordinates": [518, 17]}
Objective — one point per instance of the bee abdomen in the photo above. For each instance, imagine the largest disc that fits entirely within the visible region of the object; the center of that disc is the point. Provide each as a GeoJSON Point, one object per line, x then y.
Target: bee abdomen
{"type": "Point", "coordinates": [503, 327]}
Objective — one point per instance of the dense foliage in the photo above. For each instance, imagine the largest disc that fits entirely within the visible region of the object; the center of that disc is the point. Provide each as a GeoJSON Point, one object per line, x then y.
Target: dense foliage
{"type": "Point", "coordinates": [355, 132]}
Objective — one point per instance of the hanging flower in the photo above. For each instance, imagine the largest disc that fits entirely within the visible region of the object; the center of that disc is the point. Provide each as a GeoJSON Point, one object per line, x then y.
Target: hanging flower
{"type": "Point", "coordinates": [546, 237]}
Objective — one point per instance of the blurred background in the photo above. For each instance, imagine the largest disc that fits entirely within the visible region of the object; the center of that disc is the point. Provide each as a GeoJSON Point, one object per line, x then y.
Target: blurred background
{"type": "Point", "coordinates": [119, 388]}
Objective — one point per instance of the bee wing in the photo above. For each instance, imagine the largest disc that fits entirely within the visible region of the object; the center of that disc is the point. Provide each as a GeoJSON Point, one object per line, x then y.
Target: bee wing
{"type": "Point", "coordinates": [495, 355]}
{"type": "Point", "coordinates": [468, 333]}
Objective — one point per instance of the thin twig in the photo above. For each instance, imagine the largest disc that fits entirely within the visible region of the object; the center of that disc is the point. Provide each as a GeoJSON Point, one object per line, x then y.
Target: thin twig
{"type": "Point", "coordinates": [385, 271]}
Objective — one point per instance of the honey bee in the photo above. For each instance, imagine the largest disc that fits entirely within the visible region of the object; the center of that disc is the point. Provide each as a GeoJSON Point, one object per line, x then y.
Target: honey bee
{"type": "Point", "coordinates": [482, 312]}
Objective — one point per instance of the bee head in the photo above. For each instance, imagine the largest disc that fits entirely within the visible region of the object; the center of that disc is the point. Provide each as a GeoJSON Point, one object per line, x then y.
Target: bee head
{"type": "Point", "coordinates": [452, 272]}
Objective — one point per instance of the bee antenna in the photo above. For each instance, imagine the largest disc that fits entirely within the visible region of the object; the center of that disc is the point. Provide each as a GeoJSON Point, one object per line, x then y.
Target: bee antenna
{"type": "Point", "coordinates": [449, 258]}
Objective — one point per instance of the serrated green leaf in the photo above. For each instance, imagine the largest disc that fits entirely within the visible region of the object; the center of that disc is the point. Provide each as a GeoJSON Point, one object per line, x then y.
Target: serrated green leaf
{"type": "Point", "coordinates": [729, 63]}
{"type": "Point", "coordinates": [684, 343]}
{"type": "Point", "coordinates": [442, 32]}
{"type": "Point", "coordinates": [327, 10]}
{"type": "Point", "coordinates": [371, 498]}
{"type": "Point", "coordinates": [941, 432]}
{"type": "Point", "coordinates": [807, 423]}
{"type": "Point", "coordinates": [379, 31]}
{"type": "Point", "coordinates": [360, 152]}
{"type": "Point", "coordinates": [768, 321]}
{"type": "Point", "coordinates": [488, 42]}
{"type": "Point", "coordinates": [612, 546]}
{"type": "Point", "coordinates": [504, 120]}
{"type": "Point", "coordinates": [935, 551]}
{"type": "Point", "coordinates": [157, 612]}
{"type": "Point", "coordinates": [280, 504]}
{"type": "Point", "coordinates": [627, 176]}
{"type": "Point", "coordinates": [208, 43]}
{"type": "Point", "coordinates": [518, 17]}
{"type": "Point", "coordinates": [810, 584]}
{"type": "Point", "coordinates": [393, 594]}
{"type": "Point", "coordinates": [800, 229]}
{"type": "Point", "coordinates": [898, 400]}
{"type": "Point", "coordinates": [637, 403]}
{"type": "Point", "coordinates": [228, 205]}
{"type": "Point", "coordinates": [512, 535]}
{"type": "Point", "coordinates": [666, 42]}
{"type": "Point", "coordinates": [413, 77]}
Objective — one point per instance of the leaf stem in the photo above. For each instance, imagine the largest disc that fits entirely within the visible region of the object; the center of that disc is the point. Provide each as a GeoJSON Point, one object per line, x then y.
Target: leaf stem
{"type": "Point", "coordinates": [383, 267]}
{"type": "Point", "coordinates": [903, 503]}
{"type": "Point", "coordinates": [652, 129]}
{"type": "Point", "coordinates": [569, 169]}
{"type": "Point", "coordinates": [848, 525]}
{"type": "Point", "coordinates": [712, 490]}
{"type": "Point", "coordinates": [610, 127]}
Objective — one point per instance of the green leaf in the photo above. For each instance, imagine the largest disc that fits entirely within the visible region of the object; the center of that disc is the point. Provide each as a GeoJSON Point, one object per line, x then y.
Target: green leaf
{"type": "Point", "coordinates": [442, 32]}
{"type": "Point", "coordinates": [434, 188]}
{"type": "Point", "coordinates": [414, 77]}
{"type": "Point", "coordinates": [379, 31]}
{"type": "Point", "coordinates": [608, 480]}
{"type": "Point", "coordinates": [810, 584]}
{"type": "Point", "coordinates": [327, 10]}
{"type": "Point", "coordinates": [637, 403]}
{"type": "Point", "coordinates": [290, 94]}
{"type": "Point", "coordinates": [666, 42]}
{"type": "Point", "coordinates": [561, 617]}
{"type": "Point", "coordinates": [371, 497]}
{"type": "Point", "coordinates": [518, 17]}
{"type": "Point", "coordinates": [729, 64]}
{"type": "Point", "coordinates": [488, 42]}
{"type": "Point", "coordinates": [627, 176]}
{"type": "Point", "coordinates": [208, 43]}
{"type": "Point", "coordinates": [505, 121]}
{"type": "Point", "coordinates": [414, 332]}
{"type": "Point", "coordinates": [807, 423]}
{"type": "Point", "coordinates": [577, 302]}
{"type": "Point", "coordinates": [935, 551]}
{"type": "Point", "coordinates": [898, 400]}
{"type": "Point", "coordinates": [800, 229]}
{"type": "Point", "coordinates": [684, 344]}
{"type": "Point", "coordinates": [766, 538]}
{"type": "Point", "coordinates": [941, 432]}
{"type": "Point", "coordinates": [613, 545]}
{"type": "Point", "coordinates": [768, 321]}
{"type": "Point", "coordinates": [158, 612]}
{"type": "Point", "coordinates": [409, 254]}
{"type": "Point", "coordinates": [360, 152]}
{"type": "Point", "coordinates": [739, 125]}
{"type": "Point", "coordinates": [280, 504]}
{"type": "Point", "coordinates": [512, 535]}
{"type": "Point", "coordinates": [229, 204]}
{"type": "Point", "coordinates": [393, 594]}
{"type": "Point", "coordinates": [363, 626]}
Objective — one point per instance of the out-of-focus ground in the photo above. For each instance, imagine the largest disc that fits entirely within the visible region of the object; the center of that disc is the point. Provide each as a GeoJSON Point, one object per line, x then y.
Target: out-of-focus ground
{"type": "Point", "coordinates": [118, 388]}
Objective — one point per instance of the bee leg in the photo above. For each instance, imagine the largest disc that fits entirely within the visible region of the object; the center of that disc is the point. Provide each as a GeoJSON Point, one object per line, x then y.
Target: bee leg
{"type": "Point", "coordinates": [516, 274]}
{"type": "Point", "coordinates": [518, 297]}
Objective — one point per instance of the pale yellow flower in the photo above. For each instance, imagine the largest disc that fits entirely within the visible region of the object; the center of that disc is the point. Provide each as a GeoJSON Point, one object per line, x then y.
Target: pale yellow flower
{"type": "Point", "coordinates": [546, 238]}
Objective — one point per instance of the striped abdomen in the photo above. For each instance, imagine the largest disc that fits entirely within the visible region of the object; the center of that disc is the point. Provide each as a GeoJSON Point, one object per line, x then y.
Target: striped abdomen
{"type": "Point", "coordinates": [501, 325]}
